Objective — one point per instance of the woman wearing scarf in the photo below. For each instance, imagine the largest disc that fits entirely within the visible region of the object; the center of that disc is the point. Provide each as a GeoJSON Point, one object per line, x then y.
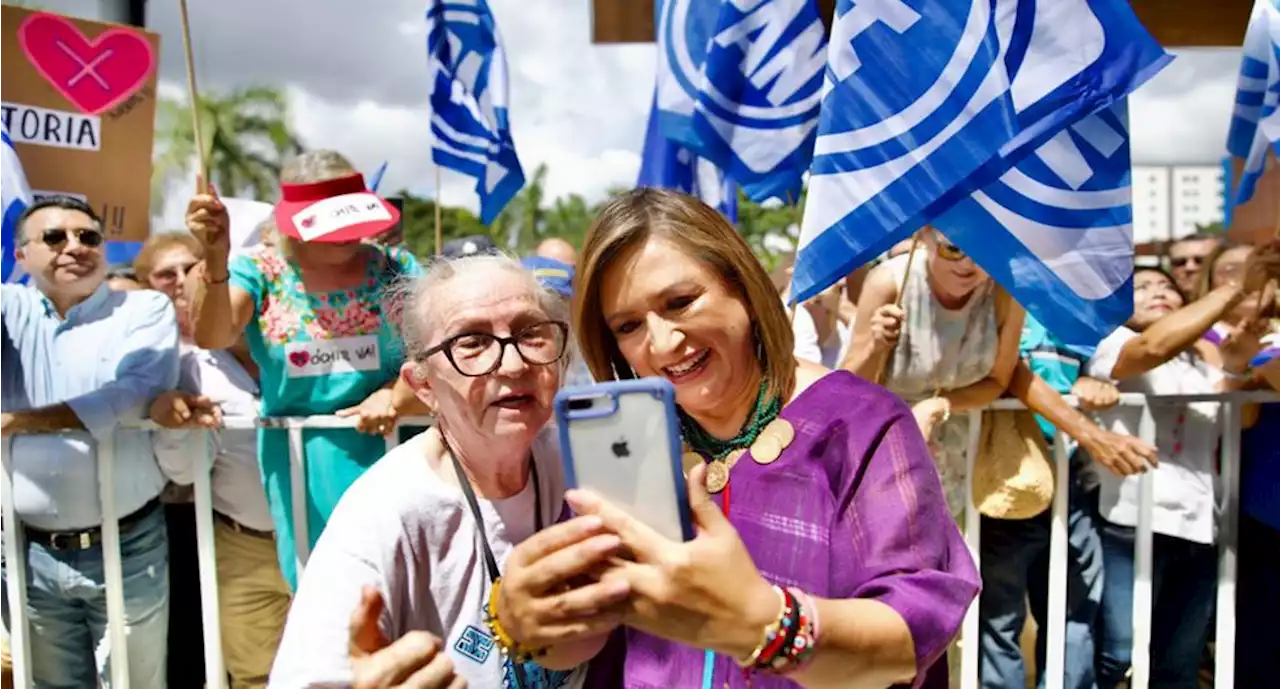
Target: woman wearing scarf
{"type": "Point", "coordinates": [825, 554]}
{"type": "Point", "coordinates": [324, 339]}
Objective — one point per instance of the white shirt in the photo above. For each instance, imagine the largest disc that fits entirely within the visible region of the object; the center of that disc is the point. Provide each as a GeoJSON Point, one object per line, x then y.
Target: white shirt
{"type": "Point", "coordinates": [1186, 440]}
{"type": "Point", "coordinates": [236, 481]}
{"type": "Point", "coordinates": [106, 360]}
{"type": "Point", "coordinates": [400, 527]}
{"type": "Point", "coordinates": [829, 353]}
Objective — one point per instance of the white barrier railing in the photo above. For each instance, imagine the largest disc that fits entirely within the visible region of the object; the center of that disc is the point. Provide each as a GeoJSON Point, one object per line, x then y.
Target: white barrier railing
{"type": "Point", "coordinates": [215, 675]}
{"type": "Point", "coordinates": [1055, 660]}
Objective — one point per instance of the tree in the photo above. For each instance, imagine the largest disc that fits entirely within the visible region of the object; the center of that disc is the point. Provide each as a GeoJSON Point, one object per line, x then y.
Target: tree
{"type": "Point", "coordinates": [246, 140]}
{"type": "Point", "coordinates": [776, 222]}
{"type": "Point", "coordinates": [522, 218]}
{"type": "Point", "coordinates": [419, 221]}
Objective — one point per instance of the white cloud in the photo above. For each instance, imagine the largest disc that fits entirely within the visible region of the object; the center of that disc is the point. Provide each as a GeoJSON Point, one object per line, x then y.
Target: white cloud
{"type": "Point", "coordinates": [1181, 116]}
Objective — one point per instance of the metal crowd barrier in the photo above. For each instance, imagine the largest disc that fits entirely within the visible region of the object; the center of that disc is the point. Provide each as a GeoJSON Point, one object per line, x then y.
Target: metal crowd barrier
{"type": "Point", "coordinates": [1055, 661]}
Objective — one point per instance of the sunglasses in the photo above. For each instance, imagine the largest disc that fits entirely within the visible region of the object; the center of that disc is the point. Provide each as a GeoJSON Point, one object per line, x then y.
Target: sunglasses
{"type": "Point", "coordinates": [55, 238]}
{"type": "Point", "coordinates": [948, 251]}
{"type": "Point", "coordinates": [1181, 261]}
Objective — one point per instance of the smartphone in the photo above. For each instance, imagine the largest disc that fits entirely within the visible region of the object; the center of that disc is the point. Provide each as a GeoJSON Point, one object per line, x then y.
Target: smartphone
{"type": "Point", "coordinates": [622, 440]}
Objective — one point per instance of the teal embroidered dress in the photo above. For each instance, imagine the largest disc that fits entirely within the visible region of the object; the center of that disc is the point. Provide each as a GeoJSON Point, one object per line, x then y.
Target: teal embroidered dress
{"type": "Point", "coordinates": [319, 353]}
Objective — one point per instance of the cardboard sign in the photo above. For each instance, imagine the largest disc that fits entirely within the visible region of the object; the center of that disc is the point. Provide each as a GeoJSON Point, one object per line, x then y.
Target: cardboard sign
{"type": "Point", "coordinates": [80, 107]}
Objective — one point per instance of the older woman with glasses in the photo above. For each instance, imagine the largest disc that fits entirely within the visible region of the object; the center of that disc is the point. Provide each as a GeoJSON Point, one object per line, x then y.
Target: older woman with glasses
{"type": "Point", "coordinates": [416, 544]}
{"type": "Point", "coordinates": [825, 556]}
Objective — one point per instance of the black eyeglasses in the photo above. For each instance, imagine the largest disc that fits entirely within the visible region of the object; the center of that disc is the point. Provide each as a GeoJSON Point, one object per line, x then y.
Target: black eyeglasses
{"type": "Point", "coordinates": [479, 354]}
{"type": "Point", "coordinates": [1181, 261]}
{"type": "Point", "coordinates": [88, 237]}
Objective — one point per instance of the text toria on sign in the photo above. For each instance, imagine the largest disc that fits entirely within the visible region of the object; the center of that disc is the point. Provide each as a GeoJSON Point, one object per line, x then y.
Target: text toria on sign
{"type": "Point", "coordinates": [46, 127]}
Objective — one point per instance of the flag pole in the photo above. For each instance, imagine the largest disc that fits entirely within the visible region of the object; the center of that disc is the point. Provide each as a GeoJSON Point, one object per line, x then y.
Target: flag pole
{"type": "Point", "coordinates": [902, 291]}
{"type": "Point", "coordinates": [202, 170]}
{"type": "Point", "coordinates": [439, 228]}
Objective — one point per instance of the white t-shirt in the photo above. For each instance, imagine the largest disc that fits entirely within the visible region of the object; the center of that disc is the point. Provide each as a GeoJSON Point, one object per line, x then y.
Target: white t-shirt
{"type": "Point", "coordinates": [236, 481]}
{"type": "Point", "coordinates": [401, 528]}
{"type": "Point", "coordinates": [1186, 440]}
{"type": "Point", "coordinates": [807, 346]}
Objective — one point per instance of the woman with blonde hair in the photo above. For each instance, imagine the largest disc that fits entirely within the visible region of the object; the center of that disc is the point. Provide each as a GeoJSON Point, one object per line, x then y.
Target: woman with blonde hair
{"type": "Point", "coordinates": [944, 337]}
{"type": "Point", "coordinates": [324, 338]}
{"type": "Point", "coordinates": [825, 555]}
{"type": "Point", "coordinates": [165, 259]}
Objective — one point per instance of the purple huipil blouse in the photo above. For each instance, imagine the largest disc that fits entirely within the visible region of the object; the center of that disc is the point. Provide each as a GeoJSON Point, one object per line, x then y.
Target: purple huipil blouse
{"type": "Point", "coordinates": [852, 509]}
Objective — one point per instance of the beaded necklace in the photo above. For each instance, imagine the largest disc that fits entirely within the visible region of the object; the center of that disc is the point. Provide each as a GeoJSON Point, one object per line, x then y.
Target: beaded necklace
{"type": "Point", "coordinates": [714, 449]}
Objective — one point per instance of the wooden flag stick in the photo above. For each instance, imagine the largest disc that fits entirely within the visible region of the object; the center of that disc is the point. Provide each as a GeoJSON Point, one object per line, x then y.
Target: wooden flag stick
{"type": "Point", "coordinates": [902, 292]}
{"type": "Point", "coordinates": [439, 217]}
{"type": "Point", "coordinates": [202, 171]}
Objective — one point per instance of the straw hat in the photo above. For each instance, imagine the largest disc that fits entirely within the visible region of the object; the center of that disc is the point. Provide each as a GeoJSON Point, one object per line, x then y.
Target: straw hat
{"type": "Point", "coordinates": [1012, 476]}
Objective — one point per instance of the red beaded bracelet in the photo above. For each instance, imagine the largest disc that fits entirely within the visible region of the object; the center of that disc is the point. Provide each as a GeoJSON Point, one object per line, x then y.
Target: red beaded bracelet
{"type": "Point", "coordinates": [788, 643]}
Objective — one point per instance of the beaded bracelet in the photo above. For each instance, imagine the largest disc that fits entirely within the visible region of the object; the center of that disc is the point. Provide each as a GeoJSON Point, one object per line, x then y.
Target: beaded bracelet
{"type": "Point", "coordinates": [770, 633]}
{"type": "Point", "coordinates": [509, 646]}
{"type": "Point", "coordinates": [788, 643]}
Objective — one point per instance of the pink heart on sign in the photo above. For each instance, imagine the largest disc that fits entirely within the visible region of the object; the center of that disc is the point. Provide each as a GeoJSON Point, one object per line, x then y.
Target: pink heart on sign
{"type": "Point", "coordinates": [95, 75]}
{"type": "Point", "coordinates": [299, 358]}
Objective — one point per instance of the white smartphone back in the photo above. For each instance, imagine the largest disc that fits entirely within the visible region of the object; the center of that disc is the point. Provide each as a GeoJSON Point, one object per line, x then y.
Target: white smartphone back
{"type": "Point", "coordinates": [622, 440]}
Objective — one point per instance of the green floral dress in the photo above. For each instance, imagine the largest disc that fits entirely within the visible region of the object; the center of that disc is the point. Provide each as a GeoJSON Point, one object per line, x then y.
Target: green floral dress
{"type": "Point", "coordinates": [319, 353]}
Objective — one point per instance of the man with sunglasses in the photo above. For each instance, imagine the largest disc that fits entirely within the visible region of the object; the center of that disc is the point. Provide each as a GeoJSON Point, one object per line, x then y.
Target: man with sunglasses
{"type": "Point", "coordinates": [1187, 257]}
{"type": "Point", "coordinates": [80, 359]}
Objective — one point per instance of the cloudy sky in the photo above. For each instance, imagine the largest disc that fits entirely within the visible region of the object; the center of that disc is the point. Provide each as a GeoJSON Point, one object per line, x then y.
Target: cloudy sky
{"type": "Point", "coordinates": [356, 73]}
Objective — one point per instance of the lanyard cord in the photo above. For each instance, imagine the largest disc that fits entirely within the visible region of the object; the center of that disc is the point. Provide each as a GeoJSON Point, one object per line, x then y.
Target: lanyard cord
{"type": "Point", "coordinates": [709, 656]}
{"type": "Point", "coordinates": [491, 563]}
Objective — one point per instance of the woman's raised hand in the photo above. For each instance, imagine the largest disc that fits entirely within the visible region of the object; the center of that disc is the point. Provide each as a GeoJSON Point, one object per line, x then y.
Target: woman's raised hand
{"type": "Point", "coordinates": [414, 661]}
{"type": "Point", "coordinates": [886, 327]}
{"type": "Point", "coordinates": [537, 605]}
{"type": "Point", "coordinates": [209, 221]}
{"type": "Point", "coordinates": [1262, 267]}
{"type": "Point", "coordinates": [1241, 343]}
{"type": "Point", "coordinates": [706, 593]}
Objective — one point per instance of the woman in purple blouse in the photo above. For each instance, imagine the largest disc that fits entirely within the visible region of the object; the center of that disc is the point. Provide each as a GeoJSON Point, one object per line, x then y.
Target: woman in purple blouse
{"type": "Point", "coordinates": [837, 563]}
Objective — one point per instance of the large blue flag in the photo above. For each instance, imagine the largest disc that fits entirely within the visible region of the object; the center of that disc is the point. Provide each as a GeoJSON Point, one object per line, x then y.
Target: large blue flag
{"type": "Point", "coordinates": [739, 85]}
{"type": "Point", "coordinates": [17, 196]}
{"type": "Point", "coordinates": [469, 101]}
{"type": "Point", "coordinates": [1057, 230]}
{"type": "Point", "coordinates": [928, 103]}
{"type": "Point", "coordinates": [665, 163]}
{"type": "Point", "coordinates": [1255, 121]}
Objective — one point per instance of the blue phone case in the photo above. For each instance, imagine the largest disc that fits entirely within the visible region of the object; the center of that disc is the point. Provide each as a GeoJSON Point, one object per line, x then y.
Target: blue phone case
{"type": "Point", "coordinates": [658, 388]}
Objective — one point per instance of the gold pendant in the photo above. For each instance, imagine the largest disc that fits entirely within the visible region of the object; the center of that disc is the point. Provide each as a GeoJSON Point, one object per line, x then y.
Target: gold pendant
{"type": "Point", "coordinates": [717, 476]}
{"type": "Point", "coordinates": [731, 459]}
{"type": "Point", "coordinates": [689, 460]}
{"type": "Point", "coordinates": [775, 438]}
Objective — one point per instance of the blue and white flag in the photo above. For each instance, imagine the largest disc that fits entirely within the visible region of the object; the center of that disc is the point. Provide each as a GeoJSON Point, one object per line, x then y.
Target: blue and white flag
{"type": "Point", "coordinates": [1255, 121]}
{"type": "Point", "coordinates": [739, 85]}
{"type": "Point", "coordinates": [665, 163]}
{"type": "Point", "coordinates": [17, 196]}
{"type": "Point", "coordinates": [469, 101]}
{"type": "Point", "coordinates": [1057, 230]}
{"type": "Point", "coordinates": [929, 102]}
